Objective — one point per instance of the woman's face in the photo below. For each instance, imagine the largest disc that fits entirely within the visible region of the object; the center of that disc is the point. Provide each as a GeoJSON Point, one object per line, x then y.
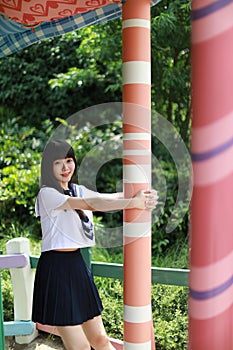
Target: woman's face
{"type": "Point", "coordinates": [63, 170]}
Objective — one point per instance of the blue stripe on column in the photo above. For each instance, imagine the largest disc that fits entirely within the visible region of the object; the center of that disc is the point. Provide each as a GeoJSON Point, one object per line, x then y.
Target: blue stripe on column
{"type": "Point", "coordinates": [209, 9]}
{"type": "Point", "coordinates": [198, 157]}
{"type": "Point", "coordinates": [212, 292]}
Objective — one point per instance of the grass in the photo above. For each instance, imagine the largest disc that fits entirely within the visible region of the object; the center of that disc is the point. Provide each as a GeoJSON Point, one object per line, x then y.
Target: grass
{"type": "Point", "coordinates": [175, 256]}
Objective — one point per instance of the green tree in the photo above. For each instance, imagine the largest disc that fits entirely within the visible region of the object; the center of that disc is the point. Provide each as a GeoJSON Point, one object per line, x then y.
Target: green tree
{"type": "Point", "coordinates": [60, 76]}
{"type": "Point", "coordinates": [171, 63]}
{"type": "Point", "coordinates": [97, 75]}
{"type": "Point", "coordinates": [24, 80]}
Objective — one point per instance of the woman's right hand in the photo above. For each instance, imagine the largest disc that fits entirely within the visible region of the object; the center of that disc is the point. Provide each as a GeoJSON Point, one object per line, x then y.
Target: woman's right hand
{"type": "Point", "coordinates": [146, 199]}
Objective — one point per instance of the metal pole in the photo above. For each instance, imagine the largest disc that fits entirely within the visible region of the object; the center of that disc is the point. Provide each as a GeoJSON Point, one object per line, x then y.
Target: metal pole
{"type": "Point", "coordinates": [137, 173]}
{"type": "Point", "coordinates": [211, 258]}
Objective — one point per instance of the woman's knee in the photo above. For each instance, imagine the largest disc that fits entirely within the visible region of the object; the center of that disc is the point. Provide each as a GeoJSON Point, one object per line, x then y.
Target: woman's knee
{"type": "Point", "coordinates": [70, 345]}
{"type": "Point", "coordinates": [77, 346]}
{"type": "Point", "coordinates": [96, 335]}
{"type": "Point", "coordinates": [74, 338]}
{"type": "Point", "coordinates": [99, 341]}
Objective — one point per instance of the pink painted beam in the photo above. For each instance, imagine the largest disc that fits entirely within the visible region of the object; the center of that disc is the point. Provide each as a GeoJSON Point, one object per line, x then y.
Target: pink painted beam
{"type": "Point", "coordinates": [211, 257]}
{"type": "Point", "coordinates": [13, 260]}
{"type": "Point", "coordinates": [137, 173]}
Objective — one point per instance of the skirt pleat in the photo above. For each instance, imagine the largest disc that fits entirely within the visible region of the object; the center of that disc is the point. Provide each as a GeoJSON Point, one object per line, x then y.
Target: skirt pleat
{"type": "Point", "coordinates": [64, 290]}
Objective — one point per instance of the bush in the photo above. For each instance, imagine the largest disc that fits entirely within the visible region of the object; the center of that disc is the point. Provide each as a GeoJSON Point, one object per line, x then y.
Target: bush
{"type": "Point", "coordinates": [169, 306]}
{"type": "Point", "coordinates": [7, 296]}
{"type": "Point", "coordinates": [111, 292]}
{"type": "Point", "coordinates": [169, 311]}
{"type": "Point", "coordinates": [20, 153]}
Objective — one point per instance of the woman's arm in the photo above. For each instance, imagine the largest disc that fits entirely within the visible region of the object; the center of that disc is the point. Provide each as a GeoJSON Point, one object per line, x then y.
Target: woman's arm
{"type": "Point", "coordinates": [109, 202]}
{"type": "Point", "coordinates": [92, 194]}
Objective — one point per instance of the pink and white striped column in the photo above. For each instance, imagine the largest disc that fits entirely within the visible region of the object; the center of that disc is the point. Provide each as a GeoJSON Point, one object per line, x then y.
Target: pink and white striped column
{"type": "Point", "coordinates": [138, 332]}
{"type": "Point", "coordinates": [211, 257]}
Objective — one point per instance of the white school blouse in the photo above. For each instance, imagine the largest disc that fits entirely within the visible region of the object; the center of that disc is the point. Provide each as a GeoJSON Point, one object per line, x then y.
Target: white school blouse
{"type": "Point", "coordinates": [60, 228]}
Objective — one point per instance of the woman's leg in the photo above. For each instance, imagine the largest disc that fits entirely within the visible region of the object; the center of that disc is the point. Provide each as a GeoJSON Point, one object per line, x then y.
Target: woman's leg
{"type": "Point", "coordinates": [96, 335]}
{"type": "Point", "coordinates": [74, 338]}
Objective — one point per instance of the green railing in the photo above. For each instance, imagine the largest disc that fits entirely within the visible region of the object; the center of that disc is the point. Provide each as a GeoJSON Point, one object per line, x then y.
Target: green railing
{"type": "Point", "coordinates": [174, 277]}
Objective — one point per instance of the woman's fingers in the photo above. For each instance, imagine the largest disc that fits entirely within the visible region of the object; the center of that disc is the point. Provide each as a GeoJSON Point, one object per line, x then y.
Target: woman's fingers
{"type": "Point", "coordinates": [149, 204]}
{"type": "Point", "coordinates": [147, 199]}
{"type": "Point", "coordinates": [151, 198]}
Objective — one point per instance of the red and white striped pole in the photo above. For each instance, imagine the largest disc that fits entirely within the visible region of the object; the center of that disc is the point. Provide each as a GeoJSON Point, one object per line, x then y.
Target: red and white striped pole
{"type": "Point", "coordinates": [137, 173]}
{"type": "Point", "coordinates": [211, 260]}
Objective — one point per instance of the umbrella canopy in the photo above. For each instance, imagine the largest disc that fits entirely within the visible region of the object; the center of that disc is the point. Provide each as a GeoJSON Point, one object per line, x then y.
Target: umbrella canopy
{"type": "Point", "coordinates": [23, 23]}
{"type": "Point", "coordinates": [33, 12]}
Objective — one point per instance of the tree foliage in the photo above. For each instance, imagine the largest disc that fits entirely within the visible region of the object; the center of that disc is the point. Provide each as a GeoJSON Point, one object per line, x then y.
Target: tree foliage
{"type": "Point", "coordinates": [171, 63]}
{"type": "Point", "coordinates": [25, 75]}
{"type": "Point", "coordinates": [60, 76]}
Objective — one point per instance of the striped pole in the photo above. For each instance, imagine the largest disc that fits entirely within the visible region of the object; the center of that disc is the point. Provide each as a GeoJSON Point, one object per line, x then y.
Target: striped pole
{"type": "Point", "coordinates": [137, 173]}
{"type": "Point", "coordinates": [211, 260]}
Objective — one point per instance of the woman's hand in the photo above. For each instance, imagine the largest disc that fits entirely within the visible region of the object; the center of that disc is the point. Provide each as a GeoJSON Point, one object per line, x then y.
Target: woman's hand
{"type": "Point", "coordinates": [146, 199]}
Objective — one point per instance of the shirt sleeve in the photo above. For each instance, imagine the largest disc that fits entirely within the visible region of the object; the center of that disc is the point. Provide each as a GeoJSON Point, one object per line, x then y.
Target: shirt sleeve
{"type": "Point", "coordinates": [51, 199]}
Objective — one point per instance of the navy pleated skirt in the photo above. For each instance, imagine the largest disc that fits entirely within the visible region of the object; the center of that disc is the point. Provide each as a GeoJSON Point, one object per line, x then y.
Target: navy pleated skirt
{"type": "Point", "coordinates": [64, 291]}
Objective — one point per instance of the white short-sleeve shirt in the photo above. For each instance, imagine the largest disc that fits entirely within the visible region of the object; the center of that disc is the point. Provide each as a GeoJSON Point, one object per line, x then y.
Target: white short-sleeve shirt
{"type": "Point", "coordinates": [60, 228]}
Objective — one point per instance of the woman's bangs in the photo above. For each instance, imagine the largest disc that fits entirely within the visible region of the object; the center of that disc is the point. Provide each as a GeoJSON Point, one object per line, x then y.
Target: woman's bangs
{"type": "Point", "coordinates": [60, 150]}
{"type": "Point", "coordinates": [70, 154]}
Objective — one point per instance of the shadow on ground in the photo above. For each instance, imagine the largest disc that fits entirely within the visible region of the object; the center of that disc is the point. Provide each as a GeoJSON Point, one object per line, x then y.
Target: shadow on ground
{"type": "Point", "coordinates": [43, 342]}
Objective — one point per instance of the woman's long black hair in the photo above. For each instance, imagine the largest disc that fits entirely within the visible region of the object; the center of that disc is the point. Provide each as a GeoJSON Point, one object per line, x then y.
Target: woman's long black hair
{"type": "Point", "coordinates": [55, 149]}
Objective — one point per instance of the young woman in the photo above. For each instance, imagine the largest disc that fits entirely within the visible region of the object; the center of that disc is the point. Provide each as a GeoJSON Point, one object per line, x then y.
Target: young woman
{"type": "Point", "coordinates": [65, 295]}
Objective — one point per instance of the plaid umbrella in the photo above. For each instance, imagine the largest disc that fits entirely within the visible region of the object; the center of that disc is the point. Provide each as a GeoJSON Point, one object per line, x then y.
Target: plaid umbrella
{"type": "Point", "coordinates": [15, 36]}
